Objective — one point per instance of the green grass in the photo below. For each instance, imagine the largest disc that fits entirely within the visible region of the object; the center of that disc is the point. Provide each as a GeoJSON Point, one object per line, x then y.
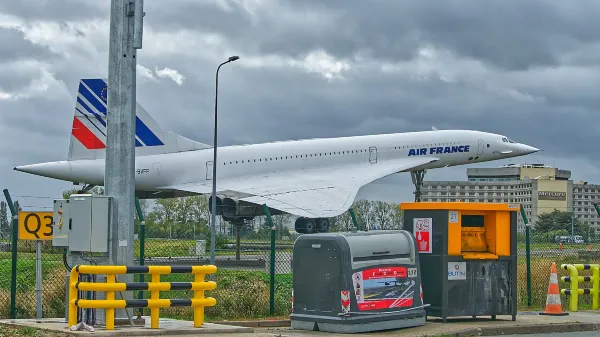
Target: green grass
{"type": "Point", "coordinates": [551, 245]}
{"type": "Point", "coordinates": [171, 248]}
{"type": "Point", "coordinates": [245, 294]}
{"type": "Point", "coordinates": [27, 331]}
{"type": "Point", "coordinates": [239, 294]}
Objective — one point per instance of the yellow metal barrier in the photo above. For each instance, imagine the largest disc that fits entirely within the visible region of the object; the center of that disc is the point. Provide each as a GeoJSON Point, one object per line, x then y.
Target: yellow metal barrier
{"type": "Point", "coordinates": [198, 302]}
{"type": "Point", "coordinates": [574, 279]}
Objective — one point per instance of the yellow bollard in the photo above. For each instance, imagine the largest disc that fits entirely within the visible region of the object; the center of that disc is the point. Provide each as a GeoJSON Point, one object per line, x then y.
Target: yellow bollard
{"type": "Point", "coordinates": [595, 288]}
{"type": "Point", "coordinates": [73, 278]}
{"type": "Point", "coordinates": [154, 296]}
{"type": "Point", "coordinates": [198, 310]}
{"type": "Point", "coordinates": [110, 296]}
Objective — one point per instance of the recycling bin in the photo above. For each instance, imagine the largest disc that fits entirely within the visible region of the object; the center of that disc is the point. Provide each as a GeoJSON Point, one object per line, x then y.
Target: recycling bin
{"type": "Point", "coordinates": [468, 254]}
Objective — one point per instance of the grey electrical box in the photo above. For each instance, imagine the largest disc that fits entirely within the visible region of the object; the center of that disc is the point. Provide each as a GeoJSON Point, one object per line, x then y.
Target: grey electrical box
{"type": "Point", "coordinates": [356, 282]}
{"type": "Point", "coordinates": [90, 223]}
{"type": "Point", "coordinates": [60, 232]}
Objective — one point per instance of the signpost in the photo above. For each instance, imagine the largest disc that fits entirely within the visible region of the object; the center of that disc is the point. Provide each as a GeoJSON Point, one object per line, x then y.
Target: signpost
{"type": "Point", "coordinates": [36, 226]}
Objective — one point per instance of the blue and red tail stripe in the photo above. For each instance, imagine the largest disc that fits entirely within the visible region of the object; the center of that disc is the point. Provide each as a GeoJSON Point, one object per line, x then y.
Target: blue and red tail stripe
{"type": "Point", "coordinates": [85, 136]}
{"type": "Point", "coordinates": [94, 93]}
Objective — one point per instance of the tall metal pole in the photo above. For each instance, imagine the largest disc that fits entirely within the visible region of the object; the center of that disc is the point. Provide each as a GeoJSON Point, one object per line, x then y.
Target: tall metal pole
{"type": "Point", "coordinates": [213, 208]}
{"type": "Point", "coordinates": [125, 37]}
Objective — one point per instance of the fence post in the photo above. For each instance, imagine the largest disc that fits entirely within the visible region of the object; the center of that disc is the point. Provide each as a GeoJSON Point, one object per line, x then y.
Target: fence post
{"type": "Point", "coordinates": [354, 219]}
{"type": "Point", "coordinates": [527, 254]}
{"type": "Point", "coordinates": [272, 271]}
{"type": "Point", "coordinates": [142, 244]}
{"type": "Point", "coordinates": [13, 246]}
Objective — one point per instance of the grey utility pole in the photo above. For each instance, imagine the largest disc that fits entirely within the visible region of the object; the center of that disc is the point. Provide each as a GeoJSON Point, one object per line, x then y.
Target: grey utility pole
{"type": "Point", "coordinates": [126, 26]}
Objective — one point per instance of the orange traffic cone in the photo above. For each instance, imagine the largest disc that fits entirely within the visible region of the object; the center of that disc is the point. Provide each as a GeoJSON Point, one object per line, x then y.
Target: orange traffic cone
{"type": "Point", "coordinates": [553, 304]}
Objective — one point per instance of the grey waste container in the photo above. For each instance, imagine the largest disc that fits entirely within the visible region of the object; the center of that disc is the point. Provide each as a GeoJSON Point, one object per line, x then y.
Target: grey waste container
{"type": "Point", "coordinates": [356, 282]}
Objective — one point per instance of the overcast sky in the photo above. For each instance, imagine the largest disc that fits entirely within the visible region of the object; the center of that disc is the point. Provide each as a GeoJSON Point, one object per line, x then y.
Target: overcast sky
{"type": "Point", "coordinates": [307, 68]}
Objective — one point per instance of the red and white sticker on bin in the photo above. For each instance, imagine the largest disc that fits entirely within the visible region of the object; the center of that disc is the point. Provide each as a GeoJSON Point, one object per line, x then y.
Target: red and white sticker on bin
{"type": "Point", "coordinates": [345, 301]}
{"type": "Point", "coordinates": [383, 288]}
{"type": "Point", "coordinates": [422, 232]}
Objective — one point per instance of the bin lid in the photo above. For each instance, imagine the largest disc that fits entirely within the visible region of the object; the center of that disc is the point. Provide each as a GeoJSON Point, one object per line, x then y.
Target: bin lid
{"type": "Point", "coordinates": [380, 246]}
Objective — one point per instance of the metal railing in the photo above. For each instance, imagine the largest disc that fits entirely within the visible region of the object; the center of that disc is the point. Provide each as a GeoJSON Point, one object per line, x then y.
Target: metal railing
{"type": "Point", "coordinates": [574, 279]}
{"type": "Point", "coordinates": [198, 302]}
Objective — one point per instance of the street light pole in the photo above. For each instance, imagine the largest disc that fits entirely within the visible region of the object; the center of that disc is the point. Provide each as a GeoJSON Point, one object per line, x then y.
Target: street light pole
{"type": "Point", "coordinates": [214, 169]}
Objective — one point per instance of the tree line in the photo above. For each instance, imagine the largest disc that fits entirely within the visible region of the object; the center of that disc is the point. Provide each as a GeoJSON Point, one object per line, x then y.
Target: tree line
{"type": "Point", "coordinates": [189, 218]}
{"type": "Point", "coordinates": [5, 223]}
{"type": "Point", "coordinates": [560, 223]}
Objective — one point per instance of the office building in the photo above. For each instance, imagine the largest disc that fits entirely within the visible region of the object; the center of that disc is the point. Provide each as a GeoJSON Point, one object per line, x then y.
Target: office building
{"type": "Point", "coordinates": [539, 188]}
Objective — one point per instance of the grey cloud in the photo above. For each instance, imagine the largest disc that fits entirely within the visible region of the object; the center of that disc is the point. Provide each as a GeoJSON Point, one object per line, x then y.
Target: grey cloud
{"type": "Point", "coordinates": [526, 70]}
{"type": "Point", "coordinates": [19, 48]}
{"type": "Point", "coordinates": [507, 34]}
{"type": "Point", "coordinates": [57, 9]}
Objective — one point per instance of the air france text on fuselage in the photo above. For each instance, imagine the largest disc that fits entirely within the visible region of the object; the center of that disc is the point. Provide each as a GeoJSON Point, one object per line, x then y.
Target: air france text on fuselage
{"type": "Point", "coordinates": [438, 150]}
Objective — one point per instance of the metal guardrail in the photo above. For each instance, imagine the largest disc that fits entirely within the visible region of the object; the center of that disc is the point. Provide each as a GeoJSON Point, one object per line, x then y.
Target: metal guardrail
{"type": "Point", "coordinates": [574, 279]}
{"type": "Point", "coordinates": [198, 302]}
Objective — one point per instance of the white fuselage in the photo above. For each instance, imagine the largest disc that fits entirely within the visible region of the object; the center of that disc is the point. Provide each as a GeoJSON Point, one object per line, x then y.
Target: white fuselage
{"type": "Point", "coordinates": [452, 147]}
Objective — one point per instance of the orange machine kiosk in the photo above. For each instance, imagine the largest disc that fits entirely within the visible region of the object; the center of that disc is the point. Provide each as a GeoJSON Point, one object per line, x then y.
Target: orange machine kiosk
{"type": "Point", "coordinates": [468, 256]}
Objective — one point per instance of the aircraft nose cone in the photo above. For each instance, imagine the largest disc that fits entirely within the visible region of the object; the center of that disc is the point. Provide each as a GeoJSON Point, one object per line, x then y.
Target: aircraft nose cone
{"type": "Point", "coordinates": [529, 149]}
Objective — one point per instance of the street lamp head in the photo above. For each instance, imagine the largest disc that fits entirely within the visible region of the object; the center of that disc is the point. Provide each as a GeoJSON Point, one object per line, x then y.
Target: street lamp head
{"type": "Point", "coordinates": [233, 58]}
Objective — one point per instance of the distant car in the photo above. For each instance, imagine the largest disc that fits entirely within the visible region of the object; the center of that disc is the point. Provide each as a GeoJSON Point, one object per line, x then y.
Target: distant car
{"type": "Point", "coordinates": [578, 239]}
{"type": "Point", "coordinates": [569, 239]}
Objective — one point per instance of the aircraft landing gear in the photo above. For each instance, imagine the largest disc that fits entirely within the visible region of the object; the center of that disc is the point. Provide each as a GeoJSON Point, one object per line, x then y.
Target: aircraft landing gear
{"type": "Point", "coordinates": [86, 188]}
{"type": "Point", "coordinates": [417, 179]}
{"type": "Point", "coordinates": [309, 226]}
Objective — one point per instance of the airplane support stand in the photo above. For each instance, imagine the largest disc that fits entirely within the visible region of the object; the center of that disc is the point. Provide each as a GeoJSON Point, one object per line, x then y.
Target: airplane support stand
{"type": "Point", "coordinates": [86, 188]}
{"type": "Point", "coordinates": [238, 237]}
{"type": "Point", "coordinates": [417, 179]}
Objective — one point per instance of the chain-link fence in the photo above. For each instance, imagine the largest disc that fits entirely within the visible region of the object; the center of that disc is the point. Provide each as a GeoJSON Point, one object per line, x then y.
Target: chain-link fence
{"type": "Point", "coordinates": [177, 232]}
{"type": "Point", "coordinates": [243, 261]}
{"type": "Point", "coordinates": [53, 280]}
{"type": "Point", "coordinates": [53, 271]}
{"type": "Point", "coordinates": [544, 250]}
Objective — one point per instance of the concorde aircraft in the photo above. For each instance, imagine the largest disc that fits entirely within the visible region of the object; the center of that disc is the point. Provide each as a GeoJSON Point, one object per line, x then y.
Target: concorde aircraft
{"type": "Point", "coordinates": [311, 178]}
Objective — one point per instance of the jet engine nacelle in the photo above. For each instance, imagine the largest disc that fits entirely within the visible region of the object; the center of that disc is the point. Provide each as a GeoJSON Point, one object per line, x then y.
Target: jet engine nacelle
{"type": "Point", "coordinates": [219, 210]}
{"type": "Point", "coordinates": [234, 210]}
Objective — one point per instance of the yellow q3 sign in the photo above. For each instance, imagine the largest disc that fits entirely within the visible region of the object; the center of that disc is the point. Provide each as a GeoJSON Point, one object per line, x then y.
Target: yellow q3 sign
{"type": "Point", "coordinates": [35, 225]}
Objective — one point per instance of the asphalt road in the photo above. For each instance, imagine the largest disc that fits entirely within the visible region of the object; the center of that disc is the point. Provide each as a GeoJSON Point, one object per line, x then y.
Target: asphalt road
{"type": "Point", "coordinates": [565, 334]}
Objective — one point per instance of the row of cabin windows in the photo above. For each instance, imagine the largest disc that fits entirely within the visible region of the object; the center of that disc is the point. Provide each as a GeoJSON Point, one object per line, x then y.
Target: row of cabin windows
{"type": "Point", "coordinates": [335, 153]}
{"type": "Point", "coordinates": [301, 156]}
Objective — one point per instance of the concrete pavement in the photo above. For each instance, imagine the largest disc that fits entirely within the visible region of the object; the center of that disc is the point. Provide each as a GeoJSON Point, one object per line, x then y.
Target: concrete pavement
{"type": "Point", "coordinates": [563, 334]}
{"type": "Point", "coordinates": [526, 323]}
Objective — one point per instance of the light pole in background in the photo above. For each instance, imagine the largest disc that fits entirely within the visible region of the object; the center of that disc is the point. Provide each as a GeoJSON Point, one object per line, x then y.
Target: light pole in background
{"type": "Point", "coordinates": [214, 169]}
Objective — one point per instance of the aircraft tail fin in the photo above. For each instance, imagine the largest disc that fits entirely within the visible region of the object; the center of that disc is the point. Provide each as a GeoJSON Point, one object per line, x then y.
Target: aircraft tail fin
{"type": "Point", "coordinates": [88, 134]}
